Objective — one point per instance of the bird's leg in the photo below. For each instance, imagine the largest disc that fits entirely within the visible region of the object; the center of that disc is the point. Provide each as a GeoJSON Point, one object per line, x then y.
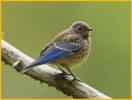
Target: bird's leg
{"type": "Point", "coordinates": [63, 72]}
{"type": "Point", "coordinates": [73, 75]}
{"type": "Point", "coordinates": [70, 73]}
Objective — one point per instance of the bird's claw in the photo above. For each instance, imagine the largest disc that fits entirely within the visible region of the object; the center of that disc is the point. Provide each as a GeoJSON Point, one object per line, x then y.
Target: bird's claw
{"type": "Point", "coordinates": [77, 79]}
{"type": "Point", "coordinates": [64, 73]}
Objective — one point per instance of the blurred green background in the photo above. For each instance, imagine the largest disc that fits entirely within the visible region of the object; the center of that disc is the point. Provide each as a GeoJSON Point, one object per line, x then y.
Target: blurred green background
{"type": "Point", "coordinates": [30, 26]}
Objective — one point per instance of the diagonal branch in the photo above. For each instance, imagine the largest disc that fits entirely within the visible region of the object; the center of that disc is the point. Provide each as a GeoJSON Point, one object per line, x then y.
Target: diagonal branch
{"type": "Point", "coordinates": [49, 75]}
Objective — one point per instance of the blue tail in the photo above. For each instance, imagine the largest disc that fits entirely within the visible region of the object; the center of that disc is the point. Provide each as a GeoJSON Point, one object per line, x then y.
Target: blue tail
{"type": "Point", "coordinates": [46, 59]}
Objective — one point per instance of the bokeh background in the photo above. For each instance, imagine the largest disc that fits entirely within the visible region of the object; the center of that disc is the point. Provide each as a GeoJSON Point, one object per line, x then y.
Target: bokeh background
{"type": "Point", "coordinates": [29, 26]}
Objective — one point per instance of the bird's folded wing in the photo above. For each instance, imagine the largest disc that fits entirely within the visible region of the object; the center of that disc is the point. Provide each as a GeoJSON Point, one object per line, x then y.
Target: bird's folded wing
{"type": "Point", "coordinates": [57, 50]}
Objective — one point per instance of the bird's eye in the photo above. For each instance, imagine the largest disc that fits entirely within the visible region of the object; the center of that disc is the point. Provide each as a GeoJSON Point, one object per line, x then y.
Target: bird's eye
{"type": "Point", "coordinates": [80, 28]}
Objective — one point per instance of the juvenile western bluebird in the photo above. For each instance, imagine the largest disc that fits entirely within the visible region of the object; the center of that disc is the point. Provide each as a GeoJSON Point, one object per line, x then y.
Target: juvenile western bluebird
{"type": "Point", "coordinates": [69, 48]}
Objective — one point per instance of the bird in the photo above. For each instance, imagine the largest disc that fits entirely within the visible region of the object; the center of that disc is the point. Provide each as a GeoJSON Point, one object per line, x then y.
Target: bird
{"type": "Point", "coordinates": [69, 48]}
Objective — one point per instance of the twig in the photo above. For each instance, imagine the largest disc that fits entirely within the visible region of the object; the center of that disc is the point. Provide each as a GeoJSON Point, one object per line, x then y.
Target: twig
{"type": "Point", "coordinates": [49, 75]}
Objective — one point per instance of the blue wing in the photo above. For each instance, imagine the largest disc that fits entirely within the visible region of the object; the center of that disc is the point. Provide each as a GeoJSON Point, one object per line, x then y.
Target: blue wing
{"type": "Point", "coordinates": [55, 51]}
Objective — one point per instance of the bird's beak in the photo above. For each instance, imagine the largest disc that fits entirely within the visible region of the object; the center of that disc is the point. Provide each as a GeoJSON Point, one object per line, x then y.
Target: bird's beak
{"type": "Point", "coordinates": [90, 29]}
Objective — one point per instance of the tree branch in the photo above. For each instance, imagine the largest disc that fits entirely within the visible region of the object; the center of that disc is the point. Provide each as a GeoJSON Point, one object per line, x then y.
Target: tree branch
{"type": "Point", "coordinates": [49, 75]}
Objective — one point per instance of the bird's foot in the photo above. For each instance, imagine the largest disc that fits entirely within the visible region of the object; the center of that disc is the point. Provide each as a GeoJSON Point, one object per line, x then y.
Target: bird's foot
{"type": "Point", "coordinates": [76, 79]}
{"type": "Point", "coordinates": [60, 76]}
{"type": "Point", "coordinates": [64, 73]}
{"type": "Point", "coordinates": [71, 78]}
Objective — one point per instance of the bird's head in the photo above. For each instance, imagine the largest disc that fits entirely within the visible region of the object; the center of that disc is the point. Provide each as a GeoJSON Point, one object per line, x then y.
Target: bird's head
{"type": "Point", "coordinates": [81, 28]}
